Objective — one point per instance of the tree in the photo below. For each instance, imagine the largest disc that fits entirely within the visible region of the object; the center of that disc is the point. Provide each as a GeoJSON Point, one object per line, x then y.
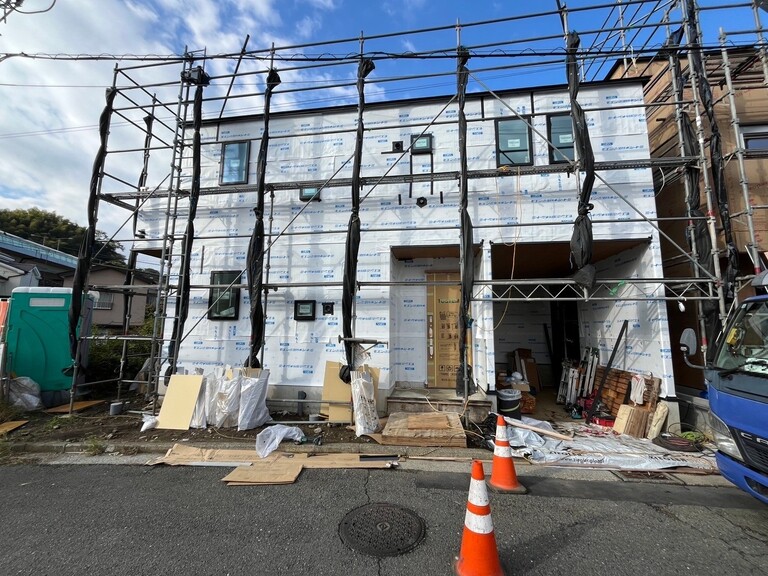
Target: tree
{"type": "Point", "coordinates": [54, 231]}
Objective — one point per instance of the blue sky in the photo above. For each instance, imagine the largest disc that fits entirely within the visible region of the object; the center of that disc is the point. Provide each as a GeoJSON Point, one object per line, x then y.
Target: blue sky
{"type": "Point", "coordinates": [51, 106]}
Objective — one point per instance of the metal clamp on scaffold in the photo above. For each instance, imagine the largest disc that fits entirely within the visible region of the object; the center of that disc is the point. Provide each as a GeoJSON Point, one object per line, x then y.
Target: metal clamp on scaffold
{"type": "Point", "coordinates": [372, 341]}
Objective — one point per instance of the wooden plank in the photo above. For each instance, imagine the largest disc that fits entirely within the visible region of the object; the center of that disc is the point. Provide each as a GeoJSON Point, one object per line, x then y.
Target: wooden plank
{"type": "Point", "coordinates": [631, 420]}
{"type": "Point", "coordinates": [7, 427]}
{"type": "Point", "coordinates": [532, 371]}
{"type": "Point", "coordinates": [179, 402]}
{"type": "Point", "coordinates": [76, 407]}
{"type": "Point", "coordinates": [183, 455]}
{"type": "Point", "coordinates": [335, 390]}
{"type": "Point", "coordinates": [280, 472]}
{"type": "Point", "coordinates": [424, 429]}
{"type": "Point", "coordinates": [543, 431]}
{"type": "Point", "coordinates": [332, 461]}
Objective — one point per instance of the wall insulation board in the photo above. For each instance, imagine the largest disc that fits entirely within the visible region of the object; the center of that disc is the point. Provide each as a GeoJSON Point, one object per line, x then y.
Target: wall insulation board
{"type": "Point", "coordinates": [313, 147]}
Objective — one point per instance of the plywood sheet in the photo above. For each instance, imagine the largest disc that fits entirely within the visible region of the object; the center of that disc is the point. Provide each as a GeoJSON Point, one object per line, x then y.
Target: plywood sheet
{"type": "Point", "coordinates": [76, 407]}
{"type": "Point", "coordinates": [179, 402]}
{"type": "Point", "coordinates": [283, 471]}
{"type": "Point", "coordinates": [335, 390]}
{"type": "Point", "coordinates": [424, 429]}
{"type": "Point", "coordinates": [6, 427]}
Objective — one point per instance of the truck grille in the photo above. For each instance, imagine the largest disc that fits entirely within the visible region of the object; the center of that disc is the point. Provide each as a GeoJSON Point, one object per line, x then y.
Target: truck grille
{"type": "Point", "coordinates": [754, 448]}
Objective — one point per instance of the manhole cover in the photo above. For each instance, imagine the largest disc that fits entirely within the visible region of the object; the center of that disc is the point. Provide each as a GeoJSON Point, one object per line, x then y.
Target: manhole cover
{"type": "Point", "coordinates": [382, 530]}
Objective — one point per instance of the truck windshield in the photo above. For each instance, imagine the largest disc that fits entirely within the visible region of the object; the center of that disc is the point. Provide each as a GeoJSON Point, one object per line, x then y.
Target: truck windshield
{"type": "Point", "coordinates": [744, 344]}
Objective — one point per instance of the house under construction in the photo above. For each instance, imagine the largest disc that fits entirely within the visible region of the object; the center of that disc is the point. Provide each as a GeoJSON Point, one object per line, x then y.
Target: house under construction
{"type": "Point", "coordinates": [310, 216]}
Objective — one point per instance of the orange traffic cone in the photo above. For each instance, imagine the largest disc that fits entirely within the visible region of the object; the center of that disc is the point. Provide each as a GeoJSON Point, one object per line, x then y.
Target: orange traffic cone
{"type": "Point", "coordinates": [478, 556]}
{"type": "Point", "coordinates": [503, 475]}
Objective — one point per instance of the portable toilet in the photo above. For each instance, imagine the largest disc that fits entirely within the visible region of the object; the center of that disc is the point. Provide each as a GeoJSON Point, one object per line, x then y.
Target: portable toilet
{"type": "Point", "coordinates": [37, 338]}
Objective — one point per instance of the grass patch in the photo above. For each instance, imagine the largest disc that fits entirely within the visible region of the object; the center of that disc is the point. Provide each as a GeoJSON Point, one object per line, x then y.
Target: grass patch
{"type": "Point", "coordinates": [58, 422]}
{"type": "Point", "coordinates": [5, 450]}
{"type": "Point", "coordinates": [95, 446]}
{"type": "Point", "coordinates": [9, 413]}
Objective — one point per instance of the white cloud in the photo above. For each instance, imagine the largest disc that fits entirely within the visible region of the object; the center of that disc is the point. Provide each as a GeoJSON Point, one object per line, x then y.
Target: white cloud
{"type": "Point", "coordinates": [307, 26]}
{"type": "Point", "coordinates": [324, 4]}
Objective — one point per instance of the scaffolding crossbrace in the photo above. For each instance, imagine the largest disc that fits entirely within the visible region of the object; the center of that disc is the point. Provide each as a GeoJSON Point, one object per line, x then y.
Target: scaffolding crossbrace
{"type": "Point", "coordinates": [153, 98]}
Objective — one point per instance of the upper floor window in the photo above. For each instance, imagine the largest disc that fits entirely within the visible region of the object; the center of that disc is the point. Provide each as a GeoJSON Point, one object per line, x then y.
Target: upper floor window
{"type": "Point", "coordinates": [224, 298]}
{"type": "Point", "coordinates": [560, 134]}
{"type": "Point", "coordinates": [755, 137]}
{"type": "Point", "coordinates": [513, 142]}
{"type": "Point", "coordinates": [234, 163]}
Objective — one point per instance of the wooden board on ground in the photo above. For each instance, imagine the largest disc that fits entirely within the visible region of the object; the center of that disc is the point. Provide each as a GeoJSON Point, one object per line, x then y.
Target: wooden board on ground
{"type": "Point", "coordinates": [179, 402]}
{"type": "Point", "coordinates": [280, 472]}
{"type": "Point", "coordinates": [76, 407]}
{"type": "Point", "coordinates": [332, 461]}
{"type": "Point", "coordinates": [424, 429]}
{"type": "Point", "coordinates": [183, 455]}
{"type": "Point", "coordinates": [7, 427]}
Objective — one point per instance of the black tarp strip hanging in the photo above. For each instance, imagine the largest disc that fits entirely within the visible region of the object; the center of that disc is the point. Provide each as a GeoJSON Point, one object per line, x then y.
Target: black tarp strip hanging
{"type": "Point", "coordinates": [466, 254]}
{"type": "Point", "coordinates": [365, 67]}
{"type": "Point", "coordinates": [255, 257]}
{"type": "Point", "coordinates": [182, 296]}
{"type": "Point", "coordinates": [716, 157]}
{"type": "Point", "coordinates": [581, 239]}
{"type": "Point", "coordinates": [699, 239]}
{"type": "Point", "coordinates": [87, 247]}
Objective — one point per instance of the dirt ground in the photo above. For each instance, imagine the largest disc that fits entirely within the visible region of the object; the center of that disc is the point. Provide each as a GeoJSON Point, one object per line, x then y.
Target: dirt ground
{"type": "Point", "coordinates": [96, 427]}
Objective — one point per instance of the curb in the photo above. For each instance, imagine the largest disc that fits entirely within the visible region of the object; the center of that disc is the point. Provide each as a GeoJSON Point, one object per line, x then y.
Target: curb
{"type": "Point", "coordinates": [161, 448]}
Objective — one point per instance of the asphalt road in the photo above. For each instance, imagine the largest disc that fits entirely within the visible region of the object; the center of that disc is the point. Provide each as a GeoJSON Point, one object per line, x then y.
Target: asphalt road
{"type": "Point", "coordinates": [137, 520]}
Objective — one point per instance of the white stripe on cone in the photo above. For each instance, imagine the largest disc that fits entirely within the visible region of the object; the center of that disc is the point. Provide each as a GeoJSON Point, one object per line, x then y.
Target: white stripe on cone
{"type": "Point", "coordinates": [501, 433]}
{"type": "Point", "coordinates": [502, 451]}
{"type": "Point", "coordinates": [478, 524]}
{"type": "Point", "coordinates": [478, 495]}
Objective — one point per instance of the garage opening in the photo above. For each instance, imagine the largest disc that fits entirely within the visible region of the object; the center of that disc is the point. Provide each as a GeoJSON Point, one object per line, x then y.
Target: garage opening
{"type": "Point", "coordinates": [552, 326]}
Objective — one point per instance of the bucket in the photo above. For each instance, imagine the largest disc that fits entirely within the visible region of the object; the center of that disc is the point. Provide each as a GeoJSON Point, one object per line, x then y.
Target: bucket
{"type": "Point", "coordinates": [509, 403]}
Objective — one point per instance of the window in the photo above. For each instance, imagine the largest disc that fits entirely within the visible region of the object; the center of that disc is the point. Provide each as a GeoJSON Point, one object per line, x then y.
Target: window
{"type": "Point", "coordinates": [421, 144]}
{"type": "Point", "coordinates": [309, 194]}
{"type": "Point", "coordinates": [234, 163]}
{"type": "Point", "coordinates": [304, 310]}
{"type": "Point", "coordinates": [513, 142]}
{"type": "Point", "coordinates": [755, 137]}
{"type": "Point", "coordinates": [224, 300]}
{"type": "Point", "coordinates": [104, 301]}
{"type": "Point", "coordinates": [560, 134]}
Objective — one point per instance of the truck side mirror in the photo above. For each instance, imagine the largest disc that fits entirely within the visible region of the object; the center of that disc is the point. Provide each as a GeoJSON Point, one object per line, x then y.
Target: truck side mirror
{"type": "Point", "coordinates": [688, 346]}
{"type": "Point", "coordinates": [688, 342]}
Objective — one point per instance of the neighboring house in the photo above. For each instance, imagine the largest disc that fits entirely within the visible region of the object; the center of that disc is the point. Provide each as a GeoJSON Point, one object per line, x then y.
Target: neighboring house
{"type": "Point", "coordinates": [50, 263]}
{"type": "Point", "coordinates": [109, 307]}
{"type": "Point", "coordinates": [744, 134]}
{"type": "Point", "coordinates": [522, 201]}
{"type": "Point", "coordinates": [16, 274]}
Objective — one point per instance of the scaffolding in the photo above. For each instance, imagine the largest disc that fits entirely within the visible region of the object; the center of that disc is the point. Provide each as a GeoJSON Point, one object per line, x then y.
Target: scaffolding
{"type": "Point", "coordinates": [156, 112]}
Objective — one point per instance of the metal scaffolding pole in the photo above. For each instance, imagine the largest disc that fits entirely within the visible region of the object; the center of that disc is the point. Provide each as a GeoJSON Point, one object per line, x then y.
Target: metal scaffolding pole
{"type": "Point", "coordinates": [752, 246]}
{"type": "Point", "coordinates": [692, 33]}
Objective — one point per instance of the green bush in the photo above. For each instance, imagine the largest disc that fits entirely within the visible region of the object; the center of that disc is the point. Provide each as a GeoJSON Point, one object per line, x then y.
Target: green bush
{"type": "Point", "coordinates": [104, 355]}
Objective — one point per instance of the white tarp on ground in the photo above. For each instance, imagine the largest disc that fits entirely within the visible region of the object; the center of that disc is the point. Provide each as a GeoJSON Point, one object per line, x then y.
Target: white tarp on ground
{"type": "Point", "coordinates": [593, 448]}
